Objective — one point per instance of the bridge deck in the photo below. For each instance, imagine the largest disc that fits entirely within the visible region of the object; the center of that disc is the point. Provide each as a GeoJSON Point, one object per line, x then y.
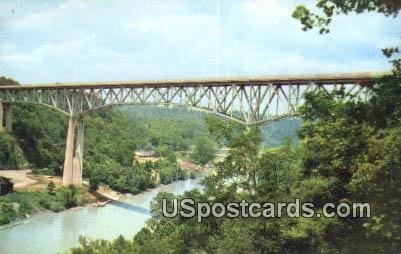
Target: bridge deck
{"type": "Point", "coordinates": [332, 78]}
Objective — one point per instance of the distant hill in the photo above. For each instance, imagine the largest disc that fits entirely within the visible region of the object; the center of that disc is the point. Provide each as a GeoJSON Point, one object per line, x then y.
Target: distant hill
{"type": "Point", "coordinates": [175, 127]}
{"type": "Point", "coordinates": [4, 81]}
{"type": "Point", "coordinates": [276, 133]}
{"type": "Point", "coordinates": [193, 121]}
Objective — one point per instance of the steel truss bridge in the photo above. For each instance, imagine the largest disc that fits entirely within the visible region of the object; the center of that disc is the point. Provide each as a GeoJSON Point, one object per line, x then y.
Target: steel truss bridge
{"type": "Point", "coordinates": [252, 101]}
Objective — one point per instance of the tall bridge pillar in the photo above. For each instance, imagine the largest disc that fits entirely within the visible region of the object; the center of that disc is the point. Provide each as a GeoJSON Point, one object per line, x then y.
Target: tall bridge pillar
{"type": "Point", "coordinates": [74, 152]}
{"type": "Point", "coordinates": [1, 117]}
{"type": "Point", "coordinates": [5, 117]}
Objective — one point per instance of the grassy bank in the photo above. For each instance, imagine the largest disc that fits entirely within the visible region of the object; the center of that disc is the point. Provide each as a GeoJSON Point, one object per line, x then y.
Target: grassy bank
{"type": "Point", "coordinates": [19, 204]}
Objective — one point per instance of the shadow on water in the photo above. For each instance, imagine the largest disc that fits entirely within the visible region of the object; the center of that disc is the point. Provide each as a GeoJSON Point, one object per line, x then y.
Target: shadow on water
{"type": "Point", "coordinates": [131, 207]}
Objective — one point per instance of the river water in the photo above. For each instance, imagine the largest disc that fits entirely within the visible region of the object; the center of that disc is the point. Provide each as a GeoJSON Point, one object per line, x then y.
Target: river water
{"type": "Point", "coordinates": [57, 232]}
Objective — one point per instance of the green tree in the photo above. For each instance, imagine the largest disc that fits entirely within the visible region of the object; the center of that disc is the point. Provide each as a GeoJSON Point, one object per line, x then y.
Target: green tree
{"type": "Point", "coordinates": [4, 81]}
{"type": "Point", "coordinates": [50, 188]}
{"type": "Point", "coordinates": [166, 151]}
{"type": "Point", "coordinates": [341, 144]}
{"type": "Point", "coordinates": [11, 155]}
{"type": "Point", "coordinates": [71, 196]}
{"type": "Point", "coordinates": [329, 9]}
{"type": "Point", "coordinates": [94, 183]}
{"type": "Point", "coordinates": [222, 130]}
{"type": "Point", "coordinates": [204, 151]}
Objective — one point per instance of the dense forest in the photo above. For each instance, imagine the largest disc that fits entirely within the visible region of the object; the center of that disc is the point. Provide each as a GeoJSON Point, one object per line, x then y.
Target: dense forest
{"type": "Point", "coordinates": [111, 137]}
{"type": "Point", "coordinates": [188, 124]}
{"type": "Point", "coordinates": [38, 137]}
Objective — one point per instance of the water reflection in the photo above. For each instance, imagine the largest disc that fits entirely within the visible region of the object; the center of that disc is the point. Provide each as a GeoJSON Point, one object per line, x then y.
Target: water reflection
{"type": "Point", "coordinates": [138, 209]}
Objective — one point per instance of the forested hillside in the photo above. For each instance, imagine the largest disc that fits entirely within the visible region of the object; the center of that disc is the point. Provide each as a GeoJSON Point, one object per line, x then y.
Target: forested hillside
{"type": "Point", "coordinates": [11, 155]}
{"type": "Point", "coordinates": [113, 134]}
{"type": "Point", "coordinates": [274, 134]}
{"type": "Point", "coordinates": [38, 142]}
{"type": "Point", "coordinates": [174, 127]}
{"type": "Point", "coordinates": [166, 124]}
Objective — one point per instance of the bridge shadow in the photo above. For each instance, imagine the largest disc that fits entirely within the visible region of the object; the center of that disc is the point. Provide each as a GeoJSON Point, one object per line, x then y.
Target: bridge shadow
{"type": "Point", "coordinates": [131, 207]}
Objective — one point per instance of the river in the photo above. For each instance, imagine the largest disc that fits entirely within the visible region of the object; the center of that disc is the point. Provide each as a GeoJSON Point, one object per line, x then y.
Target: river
{"type": "Point", "coordinates": [57, 232]}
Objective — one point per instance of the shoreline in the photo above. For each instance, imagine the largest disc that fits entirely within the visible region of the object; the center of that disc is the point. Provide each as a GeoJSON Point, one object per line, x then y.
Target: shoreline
{"type": "Point", "coordinates": [13, 224]}
{"type": "Point", "coordinates": [114, 196]}
{"type": "Point", "coordinates": [127, 218]}
{"type": "Point", "coordinates": [21, 221]}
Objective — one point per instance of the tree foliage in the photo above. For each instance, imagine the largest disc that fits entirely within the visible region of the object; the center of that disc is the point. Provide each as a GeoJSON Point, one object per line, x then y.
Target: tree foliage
{"type": "Point", "coordinates": [330, 8]}
{"type": "Point", "coordinates": [4, 81]}
{"type": "Point", "coordinates": [11, 155]}
{"type": "Point", "coordinates": [29, 202]}
{"type": "Point", "coordinates": [204, 151]}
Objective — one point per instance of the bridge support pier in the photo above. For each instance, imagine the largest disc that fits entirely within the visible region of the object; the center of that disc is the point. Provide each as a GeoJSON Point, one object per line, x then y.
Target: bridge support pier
{"type": "Point", "coordinates": [5, 117]}
{"type": "Point", "coordinates": [74, 153]}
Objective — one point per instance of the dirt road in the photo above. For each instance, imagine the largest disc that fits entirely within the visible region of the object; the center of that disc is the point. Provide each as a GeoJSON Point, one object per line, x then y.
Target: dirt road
{"type": "Point", "coordinates": [19, 177]}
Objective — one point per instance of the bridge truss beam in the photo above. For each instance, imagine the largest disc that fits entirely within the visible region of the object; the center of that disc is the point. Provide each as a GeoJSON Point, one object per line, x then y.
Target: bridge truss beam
{"type": "Point", "coordinates": [252, 102]}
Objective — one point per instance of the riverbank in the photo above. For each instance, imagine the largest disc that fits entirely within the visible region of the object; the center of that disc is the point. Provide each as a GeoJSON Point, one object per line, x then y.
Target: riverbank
{"type": "Point", "coordinates": [193, 171]}
{"type": "Point", "coordinates": [104, 192]}
{"type": "Point", "coordinates": [12, 224]}
{"type": "Point", "coordinates": [50, 233]}
{"type": "Point", "coordinates": [25, 202]}
{"type": "Point", "coordinates": [33, 196]}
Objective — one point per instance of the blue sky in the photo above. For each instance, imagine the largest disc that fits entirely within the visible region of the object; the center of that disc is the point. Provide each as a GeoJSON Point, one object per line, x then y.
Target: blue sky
{"type": "Point", "coordinates": [56, 41]}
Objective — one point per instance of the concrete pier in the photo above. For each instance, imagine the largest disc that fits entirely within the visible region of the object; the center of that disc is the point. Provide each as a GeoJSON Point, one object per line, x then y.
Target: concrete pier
{"type": "Point", "coordinates": [1, 117]}
{"type": "Point", "coordinates": [8, 123]}
{"type": "Point", "coordinates": [73, 161]}
{"type": "Point", "coordinates": [5, 117]}
{"type": "Point", "coordinates": [79, 155]}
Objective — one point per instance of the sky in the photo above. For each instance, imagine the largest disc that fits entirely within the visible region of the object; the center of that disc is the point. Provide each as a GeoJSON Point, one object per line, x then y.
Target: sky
{"type": "Point", "coordinates": [73, 41]}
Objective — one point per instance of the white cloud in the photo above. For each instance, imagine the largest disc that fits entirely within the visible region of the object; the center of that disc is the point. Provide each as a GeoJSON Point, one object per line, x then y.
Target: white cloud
{"type": "Point", "coordinates": [48, 19]}
{"type": "Point", "coordinates": [167, 22]}
{"type": "Point", "coordinates": [6, 48]}
{"type": "Point", "coordinates": [267, 12]}
{"type": "Point", "coordinates": [74, 46]}
{"type": "Point", "coordinates": [20, 58]}
{"type": "Point", "coordinates": [49, 50]}
{"type": "Point", "coordinates": [89, 40]}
